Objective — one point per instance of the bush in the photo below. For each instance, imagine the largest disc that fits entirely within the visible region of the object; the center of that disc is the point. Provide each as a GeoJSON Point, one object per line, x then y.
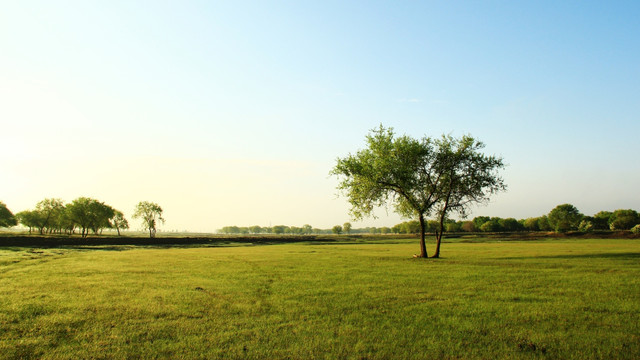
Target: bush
{"type": "Point", "coordinates": [623, 219]}
{"type": "Point", "coordinates": [636, 229]}
{"type": "Point", "coordinates": [491, 226]}
{"type": "Point", "coordinates": [468, 226]}
{"type": "Point", "coordinates": [586, 226]}
{"type": "Point", "coordinates": [564, 218]}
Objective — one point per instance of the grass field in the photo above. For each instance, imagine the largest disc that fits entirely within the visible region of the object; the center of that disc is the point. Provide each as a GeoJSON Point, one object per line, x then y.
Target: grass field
{"type": "Point", "coordinates": [530, 299]}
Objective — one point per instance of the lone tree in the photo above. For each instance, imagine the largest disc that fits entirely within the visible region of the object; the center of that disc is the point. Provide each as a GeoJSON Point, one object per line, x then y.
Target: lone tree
{"type": "Point", "coordinates": [416, 176]}
{"type": "Point", "coordinates": [149, 212]}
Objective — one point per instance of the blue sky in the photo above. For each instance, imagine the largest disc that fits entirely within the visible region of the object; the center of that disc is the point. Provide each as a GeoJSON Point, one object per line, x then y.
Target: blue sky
{"type": "Point", "coordinates": [233, 113]}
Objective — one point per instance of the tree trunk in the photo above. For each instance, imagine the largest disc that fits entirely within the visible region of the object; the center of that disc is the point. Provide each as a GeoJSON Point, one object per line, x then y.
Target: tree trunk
{"type": "Point", "coordinates": [423, 246]}
{"type": "Point", "coordinates": [439, 236]}
{"type": "Point", "coordinates": [118, 229]}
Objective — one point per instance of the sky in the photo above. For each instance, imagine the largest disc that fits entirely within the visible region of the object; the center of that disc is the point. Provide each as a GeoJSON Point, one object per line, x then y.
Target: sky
{"type": "Point", "coordinates": [234, 112]}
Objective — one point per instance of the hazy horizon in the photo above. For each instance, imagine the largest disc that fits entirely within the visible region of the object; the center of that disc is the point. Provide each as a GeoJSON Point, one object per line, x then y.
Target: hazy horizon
{"type": "Point", "coordinates": [233, 113]}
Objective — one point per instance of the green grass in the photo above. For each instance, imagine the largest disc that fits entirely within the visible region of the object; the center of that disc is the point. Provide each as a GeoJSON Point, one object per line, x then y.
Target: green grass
{"type": "Point", "coordinates": [537, 299]}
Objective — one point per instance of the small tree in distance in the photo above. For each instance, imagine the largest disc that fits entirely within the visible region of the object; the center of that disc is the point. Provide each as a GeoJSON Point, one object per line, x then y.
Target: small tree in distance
{"type": "Point", "coordinates": [119, 221]}
{"type": "Point", "coordinates": [47, 213]}
{"type": "Point", "coordinates": [149, 213]}
{"type": "Point", "coordinates": [337, 230]}
{"type": "Point", "coordinates": [346, 227]}
{"type": "Point", "coordinates": [564, 217]}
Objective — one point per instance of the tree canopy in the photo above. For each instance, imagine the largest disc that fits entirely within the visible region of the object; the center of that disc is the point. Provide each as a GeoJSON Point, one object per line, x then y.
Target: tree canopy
{"type": "Point", "coordinates": [564, 217]}
{"type": "Point", "coordinates": [7, 219]}
{"type": "Point", "coordinates": [624, 219]}
{"type": "Point", "coordinates": [90, 214]}
{"type": "Point", "coordinates": [48, 214]}
{"type": "Point", "coordinates": [87, 214]}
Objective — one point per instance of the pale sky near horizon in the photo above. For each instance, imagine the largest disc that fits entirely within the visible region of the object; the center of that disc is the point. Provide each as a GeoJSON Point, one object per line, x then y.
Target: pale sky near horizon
{"type": "Point", "coordinates": [233, 112]}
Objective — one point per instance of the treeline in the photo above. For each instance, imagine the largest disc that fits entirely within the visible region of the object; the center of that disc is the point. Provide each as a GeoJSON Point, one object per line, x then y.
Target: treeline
{"type": "Point", "coordinates": [294, 230]}
{"type": "Point", "coordinates": [53, 216]}
{"type": "Point", "coordinates": [277, 229]}
{"type": "Point", "coordinates": [562, 218]}
{"type": "Point", "coordinates": [85, 215]}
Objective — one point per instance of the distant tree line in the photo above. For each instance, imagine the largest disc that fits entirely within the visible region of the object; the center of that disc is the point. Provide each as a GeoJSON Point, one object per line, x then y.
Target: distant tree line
{"type": "Point", "coordinates": [83, 215]}
{"type": "Point", "coordinates": [305, 229]}
{"type": "Point", "coordinates": [53, 216]}
{"type": "Point", "coordinates": [562, 218]}
{"type": "Point", "coordinates": [86, 215]}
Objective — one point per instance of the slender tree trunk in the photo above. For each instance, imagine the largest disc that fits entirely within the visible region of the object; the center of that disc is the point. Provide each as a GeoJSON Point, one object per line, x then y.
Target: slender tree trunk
{"type": "Point", "coordinates": [118, 230]}
{"type": "Point", "coordinates": [443, 214]}
{"type": "Point", "coordinates": [423, 246]}
{"type": "Point", "coordinates": [439, 237]}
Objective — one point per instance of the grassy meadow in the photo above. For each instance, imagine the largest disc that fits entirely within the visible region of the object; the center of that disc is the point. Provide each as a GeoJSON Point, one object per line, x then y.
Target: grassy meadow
{"type": "Point", "coordinates": [568, 299]}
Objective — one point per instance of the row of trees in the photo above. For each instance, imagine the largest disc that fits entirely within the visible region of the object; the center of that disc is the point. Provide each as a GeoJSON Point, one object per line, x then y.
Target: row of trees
{"type": "Point", "coordinates": [277, 229]}
{"type": "Point", "coordinates": [566, 217]}
{"type": "Point", "coordinates": [305, 229]}
{"type": "Point", "coordinates": [82, 214]}
{"type": "Point", "coordinates": [562, 218]}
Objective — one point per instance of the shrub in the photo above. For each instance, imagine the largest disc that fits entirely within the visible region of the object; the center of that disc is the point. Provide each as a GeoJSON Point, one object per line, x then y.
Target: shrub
{"type": "Point", "coordinates": [564, 217]}
{"type": "Point", "coordinates": [636, 229]}
{"type": "Point", "coordinates": [623, 219]}
{"type": "Point", "coordinates": [492, 225]}
{"type": "Point", "coordinates": [586, 226]}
